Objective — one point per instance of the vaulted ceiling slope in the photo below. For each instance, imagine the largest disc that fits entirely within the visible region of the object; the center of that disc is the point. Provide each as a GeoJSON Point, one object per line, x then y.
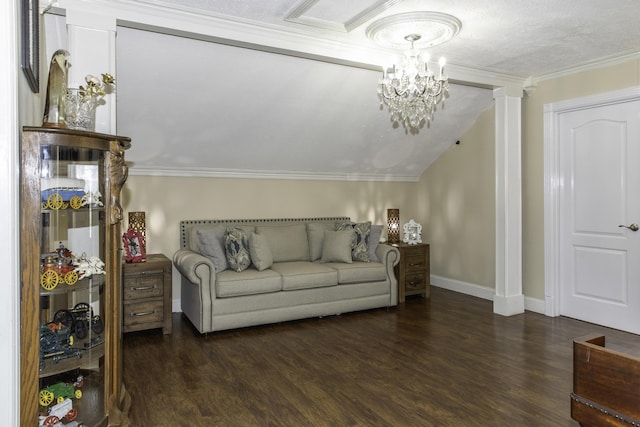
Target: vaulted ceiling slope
{"type": "Point", "coordinates": [287, 88]}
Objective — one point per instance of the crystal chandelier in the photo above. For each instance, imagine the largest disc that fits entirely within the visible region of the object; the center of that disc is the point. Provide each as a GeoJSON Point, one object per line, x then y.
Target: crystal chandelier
{"type": "Point", "coordinates": [412, 91]}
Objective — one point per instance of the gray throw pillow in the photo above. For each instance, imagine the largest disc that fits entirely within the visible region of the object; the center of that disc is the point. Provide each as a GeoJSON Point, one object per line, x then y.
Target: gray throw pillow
{"type": "Point", "coordinates": [211, 244]}
{"type": "Point", "coordinates": [236, 245]}
{"type": "Point", "coordinates": [337, 246]}
{"type": "Point", "coordinates": [261, 256]}
{"type": "Point", "coordinates": [374, 239]}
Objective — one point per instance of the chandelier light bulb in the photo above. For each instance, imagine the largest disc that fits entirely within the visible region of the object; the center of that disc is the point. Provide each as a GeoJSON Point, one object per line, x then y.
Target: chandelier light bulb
{"type": "Point", "coordinates": [442, 62]}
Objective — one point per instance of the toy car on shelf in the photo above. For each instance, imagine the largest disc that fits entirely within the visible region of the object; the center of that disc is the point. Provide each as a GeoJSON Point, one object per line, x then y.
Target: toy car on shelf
{"type": "Point", "coordinates": [58, 267]}
{"type": "Point", "coordinates": [60, 193]}
{"type": "Point", "coordinates": [80, 319]}
{"type": "Point", "coordinates": [61, 394]}
{"type": "Point", "coordinates": [56, 343]}
{"type": "Point", "coordinates": [63, 410]}
{"type": "Point", "coordinates": [58, 392]}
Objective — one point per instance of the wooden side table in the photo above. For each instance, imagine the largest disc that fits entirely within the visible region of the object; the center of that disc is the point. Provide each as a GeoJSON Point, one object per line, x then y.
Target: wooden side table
{"type": "Point", "coordinates": [413, 272]}
{"type": "Point", "coordinates": [146, 294]}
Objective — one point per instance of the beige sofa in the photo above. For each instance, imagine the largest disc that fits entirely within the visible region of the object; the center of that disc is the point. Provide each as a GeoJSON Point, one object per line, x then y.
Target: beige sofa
{"type": "Point", "coordinates": [300, 268]}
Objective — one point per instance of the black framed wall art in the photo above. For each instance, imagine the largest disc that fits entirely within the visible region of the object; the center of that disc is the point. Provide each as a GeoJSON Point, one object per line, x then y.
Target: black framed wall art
{"type": "Point", "coordinates": [30, 49]}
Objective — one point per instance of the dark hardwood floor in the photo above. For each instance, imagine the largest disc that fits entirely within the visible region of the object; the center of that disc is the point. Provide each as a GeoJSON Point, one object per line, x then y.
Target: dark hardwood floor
{"type": "Point", "coordinates": [446, 361]}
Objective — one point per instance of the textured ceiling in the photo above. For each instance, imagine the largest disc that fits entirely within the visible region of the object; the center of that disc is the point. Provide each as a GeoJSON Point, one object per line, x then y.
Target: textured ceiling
{"type": "Point", "coordinates": [302, 102]}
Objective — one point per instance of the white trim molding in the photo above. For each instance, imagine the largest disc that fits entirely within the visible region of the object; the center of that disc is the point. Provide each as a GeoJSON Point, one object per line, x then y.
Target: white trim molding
{"type": "Point", "coordinates": [462, 287]}
{"type": "Point", "coordinates": [530, 304]}
{"type": "Point", "coordinates": [258, 174]}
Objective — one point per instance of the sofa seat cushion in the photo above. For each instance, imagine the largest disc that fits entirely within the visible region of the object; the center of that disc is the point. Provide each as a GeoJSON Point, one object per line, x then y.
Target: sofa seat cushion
{"type": "Point", "coordinates": [305, 275]}
{"type": "Point", "coordinates": [358, 272]}
{"type": "Point", "coordinates": [230, 283]}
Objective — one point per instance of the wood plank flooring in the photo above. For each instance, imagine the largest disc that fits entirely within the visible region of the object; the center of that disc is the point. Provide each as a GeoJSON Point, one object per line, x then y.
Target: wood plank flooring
{"type": "Point", "coordinates": [446, 361]}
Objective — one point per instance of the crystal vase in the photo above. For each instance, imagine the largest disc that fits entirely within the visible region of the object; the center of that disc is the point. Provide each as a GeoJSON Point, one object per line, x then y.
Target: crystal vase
{"type": "Point", "coordinates": [80, 110]}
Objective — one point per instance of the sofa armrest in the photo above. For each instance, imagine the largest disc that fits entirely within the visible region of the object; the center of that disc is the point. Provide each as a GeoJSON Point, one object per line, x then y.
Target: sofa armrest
{"type": "Point", "coordinates": [195, 267]}
{"type": "Point", "coordinates": [197, 287]}
{"type": "Point", "coordinates": [390, 257]}
{"type": "Point", "coordinates": [388, 254]}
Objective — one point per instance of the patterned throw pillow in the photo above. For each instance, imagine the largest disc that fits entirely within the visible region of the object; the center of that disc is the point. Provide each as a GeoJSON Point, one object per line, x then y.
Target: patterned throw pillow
{"type": "Point", "coordinates": [236, 245]}
{"type": "Point", "coordinates": [360, 243]}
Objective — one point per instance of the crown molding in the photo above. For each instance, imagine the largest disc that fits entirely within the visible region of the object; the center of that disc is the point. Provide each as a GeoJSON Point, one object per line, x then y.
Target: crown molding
{"type": "Point", "coordinates": [606, 61]}
{"type": "Point", "coordinates": [262, 174]}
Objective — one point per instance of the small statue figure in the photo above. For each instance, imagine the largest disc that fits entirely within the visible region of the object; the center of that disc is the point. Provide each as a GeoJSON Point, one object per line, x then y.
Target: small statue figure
{"type": "Point", "coordinates": [56, 90]}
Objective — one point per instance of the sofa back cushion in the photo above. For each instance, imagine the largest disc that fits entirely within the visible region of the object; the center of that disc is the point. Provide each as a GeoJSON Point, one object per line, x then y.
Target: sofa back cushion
{"type": "Point", "coordinates": [315, 233]}
{"type": "Point", "coordinates": [287, 242]}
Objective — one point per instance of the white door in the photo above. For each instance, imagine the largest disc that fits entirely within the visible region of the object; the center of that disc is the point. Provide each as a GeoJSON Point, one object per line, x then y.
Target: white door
{"type": "Point", "coordinates": [599, 264]}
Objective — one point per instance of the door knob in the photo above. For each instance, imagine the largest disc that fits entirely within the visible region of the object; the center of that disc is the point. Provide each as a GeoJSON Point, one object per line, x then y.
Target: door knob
{"type": "Point", "coordinates": [632, 227]}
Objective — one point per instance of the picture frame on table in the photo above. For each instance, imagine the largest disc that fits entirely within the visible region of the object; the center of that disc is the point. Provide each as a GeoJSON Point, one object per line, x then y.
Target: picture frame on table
{"type": "Point", "coordinates": [30, 48]}
{"type": "Point", "coordinates": [134, 250]}
{"type": "Point", "coordinates": [412, 233]}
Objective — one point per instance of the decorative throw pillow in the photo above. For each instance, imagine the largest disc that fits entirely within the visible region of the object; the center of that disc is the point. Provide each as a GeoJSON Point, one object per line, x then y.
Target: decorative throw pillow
{"type": "Point", "coordinates": [374, 239]}
{"type": "Point", "coordinates": [211, 244]}
{"type": "Point", "coordinates": [315, 233]}
{"type": "Point", "coordinates": [236, 245]}
{"type": "Point", "coordinates": [260, 252]}
{"type": "Point", "coordinates": [360, 244]}
{"type": "Point", "coordinates": [337, 246]}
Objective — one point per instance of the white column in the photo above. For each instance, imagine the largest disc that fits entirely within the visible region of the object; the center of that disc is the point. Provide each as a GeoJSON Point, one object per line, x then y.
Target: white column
{"type": "Point", "coordinates": [92, 45]}
{"type": "Point", "coordinates": [508, 299]}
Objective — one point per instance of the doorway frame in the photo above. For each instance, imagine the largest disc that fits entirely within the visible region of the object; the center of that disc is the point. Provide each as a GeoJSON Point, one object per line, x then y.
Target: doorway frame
{"type": "Point", "coordinates": [553, 181]}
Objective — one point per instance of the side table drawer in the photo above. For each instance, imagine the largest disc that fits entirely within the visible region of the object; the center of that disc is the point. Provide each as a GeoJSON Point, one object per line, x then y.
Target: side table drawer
{"type": "Point", "coordinates": [415, 260]}
{"type": "Point", "coordinates": [415, 281]}
{"type": "Point", "coordinates": [143, 286]}
{"type": "Point", "coordinates": [143, 312]}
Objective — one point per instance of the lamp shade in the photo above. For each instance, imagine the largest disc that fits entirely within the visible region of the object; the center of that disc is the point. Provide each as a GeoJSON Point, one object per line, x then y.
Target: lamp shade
{"type": "Point", "coordinates": [137, 223]}
{"type": "Point", "coordinates": [393, 223]}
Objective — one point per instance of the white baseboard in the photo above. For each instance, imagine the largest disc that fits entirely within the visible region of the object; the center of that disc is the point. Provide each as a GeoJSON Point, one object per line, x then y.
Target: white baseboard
{"type": "Point", "coordinates": [463, 287]}
{"type": "Point", "coordinates": [530, 304]}
{"type": "Point", "coordinates": [534, 304]}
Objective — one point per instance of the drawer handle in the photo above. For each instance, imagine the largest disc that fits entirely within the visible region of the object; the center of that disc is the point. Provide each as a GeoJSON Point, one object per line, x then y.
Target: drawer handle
{"type": "Point", "coordinates": [145, 313]}
{"type": "Point", "coordinates": [413, 264]}
{"type": "Point", "coordinates": [143, 288]}
{"type": "Point", "coordinates": [416, 283]}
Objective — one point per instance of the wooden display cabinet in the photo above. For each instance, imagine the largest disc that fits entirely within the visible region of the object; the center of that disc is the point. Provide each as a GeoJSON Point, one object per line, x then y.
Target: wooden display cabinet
{"type": "Point", "coordinates": [71, 361]}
